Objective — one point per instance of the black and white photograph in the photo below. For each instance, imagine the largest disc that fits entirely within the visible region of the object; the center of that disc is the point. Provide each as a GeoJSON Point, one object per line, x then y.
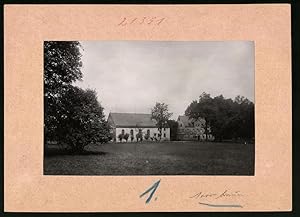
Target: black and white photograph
{"type": "Point", "coordinates": [149, 108]}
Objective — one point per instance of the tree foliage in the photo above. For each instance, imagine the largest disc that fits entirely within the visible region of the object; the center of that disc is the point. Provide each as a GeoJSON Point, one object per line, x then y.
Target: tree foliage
{"type": "Point", "coordinates": [160, 113]}
{"type": "Point", "coordinates": [82, 121]}
{"type": "Point", "coordinates": [62, 66]}
{"type": "Point", "coordinates": [227, 118]}
{"type": "Point", "coordinates": [72, 116]}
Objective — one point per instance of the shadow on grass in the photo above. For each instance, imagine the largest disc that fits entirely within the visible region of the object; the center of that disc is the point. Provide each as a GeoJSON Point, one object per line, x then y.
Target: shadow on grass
{"type": "Point", "coordinates": [55, 152]}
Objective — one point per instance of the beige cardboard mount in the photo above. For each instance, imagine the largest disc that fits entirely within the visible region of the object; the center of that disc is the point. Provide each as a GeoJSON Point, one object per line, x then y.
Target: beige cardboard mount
{"type": "Point", "coordinates": [27, 26]}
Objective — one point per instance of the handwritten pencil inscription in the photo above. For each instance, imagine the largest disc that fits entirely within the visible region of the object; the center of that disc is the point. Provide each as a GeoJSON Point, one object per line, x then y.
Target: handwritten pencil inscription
{"type": "Point", "coordinates": [201, 197]}
{"type": "Point", "coordinates": [125, 21]}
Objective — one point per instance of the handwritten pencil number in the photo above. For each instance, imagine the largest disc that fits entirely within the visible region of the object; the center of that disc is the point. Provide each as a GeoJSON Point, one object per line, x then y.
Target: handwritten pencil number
{"type": "Point", "coordinates": [152, 189]}
{"type": "Point", "coordinates": [141, 21]}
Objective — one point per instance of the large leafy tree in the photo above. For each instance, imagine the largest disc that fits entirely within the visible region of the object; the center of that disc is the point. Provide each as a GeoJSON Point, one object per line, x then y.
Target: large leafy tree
{"type": "Point", "coordinates": [160, 113]}
{"type": "Point", "coordinates": [83, 121]}
{"type": "Point", "coordinates": [62, 66]}
{"type": "Point", "coordinates": [73, 116]}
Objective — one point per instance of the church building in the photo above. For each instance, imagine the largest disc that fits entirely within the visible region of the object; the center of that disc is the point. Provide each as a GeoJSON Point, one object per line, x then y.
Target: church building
{"type": "Point", "coordinates": [132, 127]}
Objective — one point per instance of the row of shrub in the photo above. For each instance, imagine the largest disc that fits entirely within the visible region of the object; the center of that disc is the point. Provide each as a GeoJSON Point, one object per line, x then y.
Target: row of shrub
{"type": "Point", "coordinates": [139, 137]}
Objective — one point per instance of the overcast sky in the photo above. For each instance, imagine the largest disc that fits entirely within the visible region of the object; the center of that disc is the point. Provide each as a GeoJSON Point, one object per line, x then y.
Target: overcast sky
{"type": "Point", "coordinates": [131, 76]}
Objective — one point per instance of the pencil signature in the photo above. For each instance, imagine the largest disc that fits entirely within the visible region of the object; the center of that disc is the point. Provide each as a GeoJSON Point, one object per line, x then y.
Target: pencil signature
{"type": "Point", "coordinates": [216, 196]}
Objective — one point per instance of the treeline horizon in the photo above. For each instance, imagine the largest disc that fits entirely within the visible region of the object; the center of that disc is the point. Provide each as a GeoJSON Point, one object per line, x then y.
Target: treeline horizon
{"type": "Point", "coordinates": [225, 118]}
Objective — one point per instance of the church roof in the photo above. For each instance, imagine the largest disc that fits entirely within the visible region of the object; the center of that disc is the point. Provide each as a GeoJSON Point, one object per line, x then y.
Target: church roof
{"type": "Point", "coordinates": [131, 120]}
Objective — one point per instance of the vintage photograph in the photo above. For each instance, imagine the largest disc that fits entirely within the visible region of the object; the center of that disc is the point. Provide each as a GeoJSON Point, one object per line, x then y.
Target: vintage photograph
{"type": "Point", "coordinates": [149, 108]}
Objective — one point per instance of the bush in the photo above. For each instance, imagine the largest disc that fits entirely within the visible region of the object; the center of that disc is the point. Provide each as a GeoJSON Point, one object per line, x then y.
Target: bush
{"type": "Point", "coordinates": [81, 120]}
{"type": "Point", "coordinates": [139, 136]}
{"type": "Point", "coordinates": [147, 136]}
{"type": "Point", "coordinates": [120, 136]}
{"type": "Point", "coordinates": [126, 136]}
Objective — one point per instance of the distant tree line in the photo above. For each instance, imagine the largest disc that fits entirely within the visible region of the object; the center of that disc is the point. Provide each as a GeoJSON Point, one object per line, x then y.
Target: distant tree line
{"type": "Point", "coordinates": [227, 118]}
{"type": "Point", "coordinates": [72, 116]}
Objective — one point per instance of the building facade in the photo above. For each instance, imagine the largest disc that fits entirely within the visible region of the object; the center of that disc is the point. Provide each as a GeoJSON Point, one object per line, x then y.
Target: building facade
{"type": "Point", "coordinates": [190, 129]}
{"type": "Point", "coordinates": [137, 127]}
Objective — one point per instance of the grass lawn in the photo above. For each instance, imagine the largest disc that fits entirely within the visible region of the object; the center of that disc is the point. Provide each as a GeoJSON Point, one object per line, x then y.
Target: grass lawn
{"type": "Point", "coordinates": [149, 158]}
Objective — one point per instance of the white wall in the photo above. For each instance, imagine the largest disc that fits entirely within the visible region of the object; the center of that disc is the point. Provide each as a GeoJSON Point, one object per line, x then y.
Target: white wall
{"type": "Point", "coordinates": [153, 131]}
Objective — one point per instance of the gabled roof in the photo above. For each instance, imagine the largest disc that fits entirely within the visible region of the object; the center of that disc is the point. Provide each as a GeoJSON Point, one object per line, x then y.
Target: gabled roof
{"type": "Point", "coordinates": [131, 120]}
{"type": "Point", "coordinates": [184, 119]}
{"type": "Point", "coordinates": [189, 122]}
